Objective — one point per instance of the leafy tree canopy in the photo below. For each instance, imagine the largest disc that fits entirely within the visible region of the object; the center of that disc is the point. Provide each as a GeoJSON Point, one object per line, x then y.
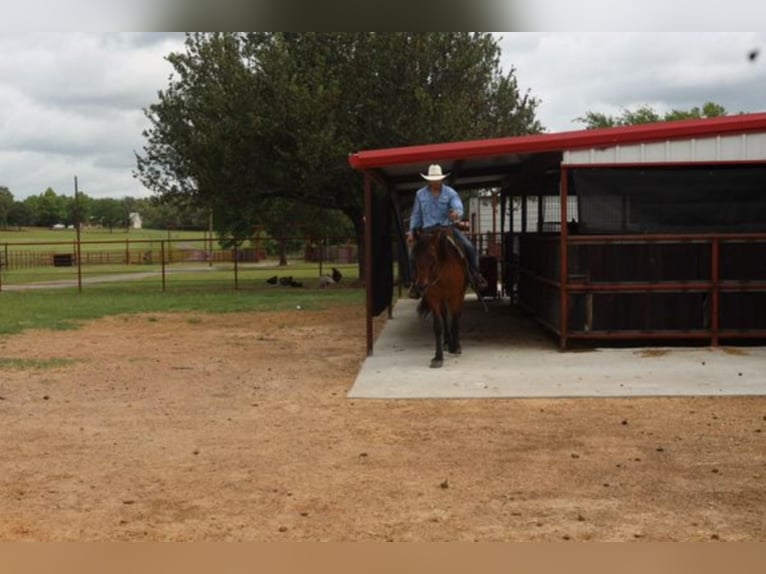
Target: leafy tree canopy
{"type": "Point", "coordinates": [251, 117]}
{"type": "Point", "coordinates": [6, 205]}
{"type": "Point", "coordinates": [647, 114]}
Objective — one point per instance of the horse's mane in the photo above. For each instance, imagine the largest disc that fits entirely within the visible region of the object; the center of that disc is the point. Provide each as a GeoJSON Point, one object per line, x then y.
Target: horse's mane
{"type": "Point", "coordinates": [422, 243]}
{"type": "Point", "coordinates": [445, 239]}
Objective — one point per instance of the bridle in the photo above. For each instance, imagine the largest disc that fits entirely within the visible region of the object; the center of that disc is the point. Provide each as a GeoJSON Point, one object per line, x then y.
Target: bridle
{"type": "Point", "coordinates": [437, 234]}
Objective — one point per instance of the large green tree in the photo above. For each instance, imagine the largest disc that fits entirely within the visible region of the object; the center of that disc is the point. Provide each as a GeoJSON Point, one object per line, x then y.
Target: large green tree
{"type": "Point", "coordinates": [6, 205]}
{"type": "Point", "coordinates": [646, 114]}
{"type": "Point", "coordinates": [20, 215]}
{"type": "Point", "coordinates": [78, 209]}
{"type": "Point", "coordinates": [109, 213]}
{"type": "Point", "coordinates": [51, 208]}
{"type": "Point", "coordinates": [156, 214]}
{"type": "Point", "coordinates": [247, 118]}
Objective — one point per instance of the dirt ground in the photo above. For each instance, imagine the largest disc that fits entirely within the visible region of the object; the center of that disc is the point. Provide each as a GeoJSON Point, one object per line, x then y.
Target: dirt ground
{"type": "Point", "coordinates": [236, 427]}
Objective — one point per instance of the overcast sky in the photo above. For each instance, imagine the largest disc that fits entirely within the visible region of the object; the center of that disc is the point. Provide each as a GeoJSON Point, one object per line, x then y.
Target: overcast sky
{"type": "Point", "coordinates": [71, 103]}
{"type": "Point", "coordinates": [573, 73]}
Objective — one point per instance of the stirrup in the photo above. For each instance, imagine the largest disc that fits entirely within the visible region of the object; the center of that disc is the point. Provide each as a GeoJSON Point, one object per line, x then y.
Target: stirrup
{"type": "Point", "coordinates": [478, 281]}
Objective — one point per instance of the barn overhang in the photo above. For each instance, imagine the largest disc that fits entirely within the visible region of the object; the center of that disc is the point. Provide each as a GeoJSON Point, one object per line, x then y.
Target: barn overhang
{"type": "Point", "coordinates": [392, 175]}
{"type": "Point", "coordinates": [490, 162]}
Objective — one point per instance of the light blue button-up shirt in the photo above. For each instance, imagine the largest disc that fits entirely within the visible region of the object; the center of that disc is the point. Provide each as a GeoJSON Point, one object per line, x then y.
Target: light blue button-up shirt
{"type": "Point", "coordinates": [429, 209]}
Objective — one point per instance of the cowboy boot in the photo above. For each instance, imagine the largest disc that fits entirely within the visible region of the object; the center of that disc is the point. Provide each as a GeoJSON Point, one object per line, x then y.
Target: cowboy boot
{"type": "Point", "coordinates": [477, 281]}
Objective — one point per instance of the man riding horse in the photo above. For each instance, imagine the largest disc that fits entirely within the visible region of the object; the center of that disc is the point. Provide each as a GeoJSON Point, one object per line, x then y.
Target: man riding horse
{"type": "Point", "coordinates": [437, 204]}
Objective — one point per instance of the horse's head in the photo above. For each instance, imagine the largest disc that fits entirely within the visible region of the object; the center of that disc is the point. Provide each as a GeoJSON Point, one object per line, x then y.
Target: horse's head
{"type": "Point", "coordinates": [426, 254]}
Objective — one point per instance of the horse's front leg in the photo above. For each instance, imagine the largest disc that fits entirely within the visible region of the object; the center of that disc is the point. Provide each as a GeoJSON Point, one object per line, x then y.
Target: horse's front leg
{"type": "Point", "coordinates": [438, 359]}
{"type": "Point", "coordinates": [447, 320]}
{"type": "Point", "coordinates": [454, 329]}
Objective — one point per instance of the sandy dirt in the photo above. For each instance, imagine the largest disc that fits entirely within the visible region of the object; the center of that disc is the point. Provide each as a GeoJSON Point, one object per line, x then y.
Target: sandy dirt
{"type": "Point", "coordinates": [236, 427]}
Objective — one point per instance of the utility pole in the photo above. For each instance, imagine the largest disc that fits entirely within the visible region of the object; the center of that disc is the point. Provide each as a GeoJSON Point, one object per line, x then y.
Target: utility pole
{"type": "Point", "coordinates": [78, 223]}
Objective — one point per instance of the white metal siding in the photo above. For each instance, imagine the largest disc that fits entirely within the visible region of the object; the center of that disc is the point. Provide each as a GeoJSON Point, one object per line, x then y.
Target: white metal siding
{"type": "Point", "coordinates": [737, 147]}
{"type": "Point", "coordinates": [481, 207]}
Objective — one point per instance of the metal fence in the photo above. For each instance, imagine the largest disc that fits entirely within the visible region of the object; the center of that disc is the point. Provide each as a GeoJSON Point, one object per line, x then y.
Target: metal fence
{"type": "Point", "coordinates": [75, 264]}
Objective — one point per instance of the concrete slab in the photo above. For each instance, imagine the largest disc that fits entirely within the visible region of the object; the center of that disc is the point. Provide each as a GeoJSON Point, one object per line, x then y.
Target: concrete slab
{"type": "Point", "coordinates": [506, 355]}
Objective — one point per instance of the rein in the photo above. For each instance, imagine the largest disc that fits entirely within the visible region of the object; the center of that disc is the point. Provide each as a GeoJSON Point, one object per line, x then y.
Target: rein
{"type": "Point", "coordinates": [435, 267]}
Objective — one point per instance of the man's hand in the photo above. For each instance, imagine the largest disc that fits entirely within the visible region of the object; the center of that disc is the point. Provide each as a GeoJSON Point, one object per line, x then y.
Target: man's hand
{"type": "Point", "coordinates": [462, 225]}
{"type": "Point", "coordinates": [454, 215]}
{"type": "Point", "coordinates": [410, 238]}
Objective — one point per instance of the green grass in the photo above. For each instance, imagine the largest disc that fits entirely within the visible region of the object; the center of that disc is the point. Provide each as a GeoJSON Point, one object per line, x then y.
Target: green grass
{"type": "Point", "coordinates": [43, 235]}
{"type": "Point", "coordinates": [222, 273]}
{"type": "Point", "coordinates": [62, 309]}
{"type": "Point", "coordinates": [25, 364]}
{"type": "Point", "coordinates": [40, 274]}
{"type": "Point", "coordinates": [135, 243]}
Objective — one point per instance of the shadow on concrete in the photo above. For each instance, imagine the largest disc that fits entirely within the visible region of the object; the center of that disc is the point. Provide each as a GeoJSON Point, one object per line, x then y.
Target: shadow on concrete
{"type": "Point", "coordinates": [507, 355]}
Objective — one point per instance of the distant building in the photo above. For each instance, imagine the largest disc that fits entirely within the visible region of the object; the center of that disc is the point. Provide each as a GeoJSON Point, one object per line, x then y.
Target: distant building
{"type": "Point", "coordinates": [135, 220]}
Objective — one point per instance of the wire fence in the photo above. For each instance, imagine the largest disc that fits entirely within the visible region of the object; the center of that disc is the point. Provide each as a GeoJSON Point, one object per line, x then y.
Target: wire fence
{"type": "Point", "coordinates": [58, 264]}
{"type": "Point", "coordinates": [182, 262]}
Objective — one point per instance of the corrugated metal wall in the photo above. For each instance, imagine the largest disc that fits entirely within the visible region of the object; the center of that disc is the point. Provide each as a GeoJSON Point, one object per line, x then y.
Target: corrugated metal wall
{"type": "Point", "coordinates": [739, 147]}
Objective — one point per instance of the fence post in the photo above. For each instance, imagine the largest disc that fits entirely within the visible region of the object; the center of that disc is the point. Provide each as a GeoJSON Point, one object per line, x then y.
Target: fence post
{"type": "Point", "coordinates": [236, 267]}
{"type": "Point", "coordinates": [78, 256]}
{"type": "Point", "coordinates": [162, 259]}
{"type": "Point", "coordinates": [322, 246]}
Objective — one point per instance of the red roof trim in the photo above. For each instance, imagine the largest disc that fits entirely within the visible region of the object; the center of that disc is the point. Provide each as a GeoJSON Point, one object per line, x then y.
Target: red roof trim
{"type": "Point", "coordinates": [558, 141]}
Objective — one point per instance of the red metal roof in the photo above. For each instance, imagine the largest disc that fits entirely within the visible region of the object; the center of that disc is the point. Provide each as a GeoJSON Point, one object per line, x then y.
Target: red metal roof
{"type": "Point", "coordinates": [560, 141]}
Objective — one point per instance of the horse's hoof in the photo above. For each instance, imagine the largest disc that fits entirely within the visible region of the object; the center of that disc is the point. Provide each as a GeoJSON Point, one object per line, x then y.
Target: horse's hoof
{"type": "Point", "coordinates": [456, 351]}
{"type": "Point", "coordinates": [436, 363]}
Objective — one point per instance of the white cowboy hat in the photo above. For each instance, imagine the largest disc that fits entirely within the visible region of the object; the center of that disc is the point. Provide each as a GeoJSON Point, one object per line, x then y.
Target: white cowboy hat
{"type": "Point", "coordinates": [434, 173]}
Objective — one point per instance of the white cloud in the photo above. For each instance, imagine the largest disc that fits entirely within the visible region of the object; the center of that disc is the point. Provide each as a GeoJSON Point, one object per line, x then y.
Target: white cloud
{"type": "Point", "coordinates": [573, 73]}
{"type": "Point", "coordinates": [72, 105]}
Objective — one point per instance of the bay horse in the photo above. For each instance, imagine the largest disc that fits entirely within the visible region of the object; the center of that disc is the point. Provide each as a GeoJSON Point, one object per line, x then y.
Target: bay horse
{"type": "Point", "coordinates": [441, 278]}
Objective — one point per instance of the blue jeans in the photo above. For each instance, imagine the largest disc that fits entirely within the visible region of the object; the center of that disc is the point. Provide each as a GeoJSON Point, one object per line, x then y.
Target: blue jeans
{"type": "Point", "coordinates": [470, 250]}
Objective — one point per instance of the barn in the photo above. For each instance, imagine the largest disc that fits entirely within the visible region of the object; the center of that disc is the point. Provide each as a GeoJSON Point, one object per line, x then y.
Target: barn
{"type": "Point", "coordinates": [649, 232]}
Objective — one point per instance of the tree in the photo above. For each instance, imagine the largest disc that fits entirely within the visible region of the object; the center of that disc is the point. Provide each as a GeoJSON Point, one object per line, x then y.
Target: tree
{"type": "Point", "coordinates": [646, 114]}
{"type": "Point", "coordinates": [78, 208]}
{"type": "Point", "coordinates": [6, 205]}
{"type": "Point", "coordinates": [709, 110]}
{"type": "Point", "coordinates": [109, 213]}
{"type": "Point", "coordinates": [20, 215]}
{"type": "Point", "coordinates": [32, 209]}
{"type": "Point", "coordinates": [51, 208]}
{"type": "Point", "coordinates": [252, 117]}
{"type": "Point", "coordinates": [291, 223]}
{"type": "Point", "coordinates": [200, 147]}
